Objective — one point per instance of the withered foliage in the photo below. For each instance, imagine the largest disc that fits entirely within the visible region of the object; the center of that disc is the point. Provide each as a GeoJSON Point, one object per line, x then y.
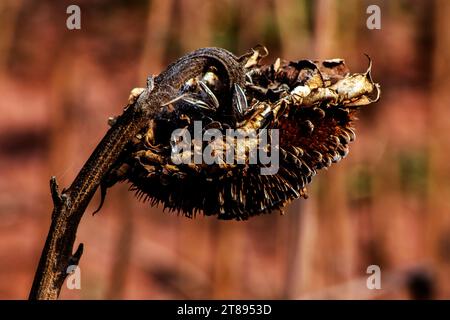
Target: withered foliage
{"type": "Point", "coordinates": [312, 103]}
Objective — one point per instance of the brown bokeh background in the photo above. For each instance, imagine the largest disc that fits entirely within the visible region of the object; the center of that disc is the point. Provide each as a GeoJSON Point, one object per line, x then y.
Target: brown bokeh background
{"type": "Point", "coordinates": [387, 203]}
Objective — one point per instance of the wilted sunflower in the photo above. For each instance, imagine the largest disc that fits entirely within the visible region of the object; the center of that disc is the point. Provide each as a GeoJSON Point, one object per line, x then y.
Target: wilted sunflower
{"type": "Point", "coordinates": [312, 104]}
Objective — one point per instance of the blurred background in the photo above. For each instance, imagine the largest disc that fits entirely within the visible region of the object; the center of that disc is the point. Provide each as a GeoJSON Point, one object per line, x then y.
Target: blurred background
{"type": "Point", "coordinates": [386, 204]}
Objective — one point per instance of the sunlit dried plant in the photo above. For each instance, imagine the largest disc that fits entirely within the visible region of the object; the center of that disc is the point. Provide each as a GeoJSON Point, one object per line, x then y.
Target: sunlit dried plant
{"type": "Point", "coordinates": [310, 104]}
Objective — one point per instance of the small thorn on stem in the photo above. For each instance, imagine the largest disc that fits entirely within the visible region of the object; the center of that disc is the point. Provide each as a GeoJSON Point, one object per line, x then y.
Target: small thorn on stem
{"type": "Point", "coordinates": [75, 258]}
{"type": "Point", "coordinates": [54, 189]}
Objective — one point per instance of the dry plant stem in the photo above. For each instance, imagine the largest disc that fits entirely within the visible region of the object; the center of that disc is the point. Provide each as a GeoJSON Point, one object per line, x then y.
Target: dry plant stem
{"type": "Point", "coordinates": [69, 206]}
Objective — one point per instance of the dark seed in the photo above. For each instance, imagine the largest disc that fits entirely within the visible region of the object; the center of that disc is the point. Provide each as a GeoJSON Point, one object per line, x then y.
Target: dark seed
{"type": "Point", "coordinates": [309, 127]}
{"type": "Point", "coordinates": [318, 112]}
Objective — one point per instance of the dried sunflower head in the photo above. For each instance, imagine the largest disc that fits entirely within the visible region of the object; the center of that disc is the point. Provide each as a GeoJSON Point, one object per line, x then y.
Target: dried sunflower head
{"type": "Point", "coordinates": [298, 114]}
